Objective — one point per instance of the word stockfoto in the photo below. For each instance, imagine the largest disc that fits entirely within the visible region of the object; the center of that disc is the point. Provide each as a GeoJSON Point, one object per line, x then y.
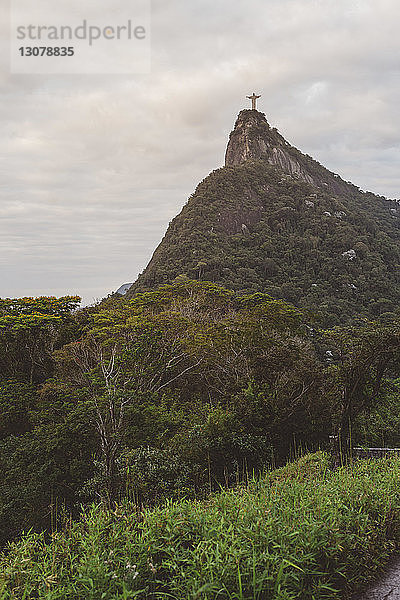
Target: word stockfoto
{"type": "Point", "coordinates": [90, 33]}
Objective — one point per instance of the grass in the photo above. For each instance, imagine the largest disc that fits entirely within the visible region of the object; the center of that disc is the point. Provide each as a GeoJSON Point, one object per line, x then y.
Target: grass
{"type": "Point", "coordinates": [302, 531]}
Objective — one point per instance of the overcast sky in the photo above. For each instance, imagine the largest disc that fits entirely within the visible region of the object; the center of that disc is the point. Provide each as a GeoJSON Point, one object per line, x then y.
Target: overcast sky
{"type": "Point", "coordinates": [93, 168]}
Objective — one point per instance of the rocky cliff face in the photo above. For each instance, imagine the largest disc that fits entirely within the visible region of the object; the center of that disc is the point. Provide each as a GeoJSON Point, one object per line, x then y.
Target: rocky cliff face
{"type": "Point", "coordinates": [254, 139]}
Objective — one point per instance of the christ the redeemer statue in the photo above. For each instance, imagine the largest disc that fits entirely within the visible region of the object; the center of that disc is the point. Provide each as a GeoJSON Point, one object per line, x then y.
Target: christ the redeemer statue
{"type": "Point", "coordinates": [253, 99]}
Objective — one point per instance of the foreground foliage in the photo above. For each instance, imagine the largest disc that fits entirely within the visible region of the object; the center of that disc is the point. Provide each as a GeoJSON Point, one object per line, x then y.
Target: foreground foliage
{"type": "Point", "coordinates": [302, 531]}
{"type": "Point", "coordinates": [173, 394]}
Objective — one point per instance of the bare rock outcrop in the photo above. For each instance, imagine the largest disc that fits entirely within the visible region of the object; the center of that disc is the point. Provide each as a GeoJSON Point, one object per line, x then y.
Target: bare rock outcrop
{"type": "Point", "coordinates": [253, 139]}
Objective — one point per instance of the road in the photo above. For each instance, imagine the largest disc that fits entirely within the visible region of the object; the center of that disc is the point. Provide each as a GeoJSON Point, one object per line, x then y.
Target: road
{"type": "Point", "coordinates": [387, 587]}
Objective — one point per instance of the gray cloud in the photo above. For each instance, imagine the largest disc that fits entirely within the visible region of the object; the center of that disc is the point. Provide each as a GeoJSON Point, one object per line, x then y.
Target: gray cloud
{"type": "Point", "coordinates": [93, 168]}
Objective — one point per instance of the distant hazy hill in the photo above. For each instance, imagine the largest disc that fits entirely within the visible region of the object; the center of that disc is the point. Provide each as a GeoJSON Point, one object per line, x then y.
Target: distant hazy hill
{"type": "Point", "coordinates": [275, 220]}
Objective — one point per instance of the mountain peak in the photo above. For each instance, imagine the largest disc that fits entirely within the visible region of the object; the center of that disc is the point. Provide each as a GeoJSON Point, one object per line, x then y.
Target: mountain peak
{"type": "Point", "coordinates": [253, 139]}
{"type": "Point", "coordinates": [248, 139]}
{"type": "Point", "coordinates": [275, 220]}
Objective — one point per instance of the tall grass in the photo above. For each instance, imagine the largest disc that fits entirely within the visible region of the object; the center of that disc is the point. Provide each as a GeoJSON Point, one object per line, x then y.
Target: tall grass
{"type": "Point", "coordinates": [302, 531]}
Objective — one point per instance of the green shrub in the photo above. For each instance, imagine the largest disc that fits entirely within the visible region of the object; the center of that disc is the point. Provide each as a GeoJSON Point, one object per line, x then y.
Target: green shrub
{"type": "Point", "coordinates": [302, 531]}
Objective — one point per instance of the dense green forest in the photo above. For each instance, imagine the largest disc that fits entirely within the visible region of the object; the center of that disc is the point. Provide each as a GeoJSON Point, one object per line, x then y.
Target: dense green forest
{"type": "Point", "coordinates": [175, 393]}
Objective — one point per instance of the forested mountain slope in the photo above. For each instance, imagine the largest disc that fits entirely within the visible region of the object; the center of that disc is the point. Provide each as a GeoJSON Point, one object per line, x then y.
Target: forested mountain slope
{"type": "Point", "coordinates": [275, 220]}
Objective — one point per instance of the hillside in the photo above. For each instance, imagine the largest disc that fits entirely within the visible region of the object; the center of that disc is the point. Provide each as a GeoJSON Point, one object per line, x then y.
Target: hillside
{"type": "Point", "coordinates": [275, 220]}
